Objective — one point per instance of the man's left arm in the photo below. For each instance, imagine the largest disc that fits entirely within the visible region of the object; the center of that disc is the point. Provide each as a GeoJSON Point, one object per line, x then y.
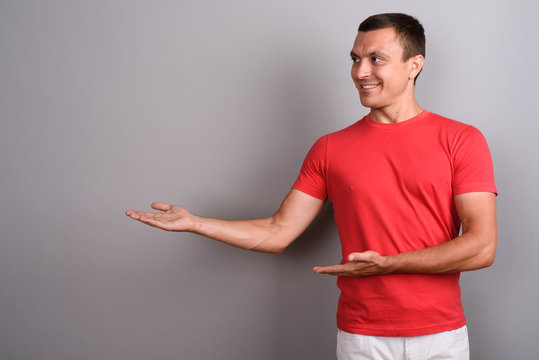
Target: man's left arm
{"type": "Point", "coordinates": [474, 249]}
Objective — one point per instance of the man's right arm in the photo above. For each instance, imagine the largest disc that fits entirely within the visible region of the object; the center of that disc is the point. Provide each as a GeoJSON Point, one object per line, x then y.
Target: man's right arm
{"type": "Point", "coordinates": [270, 235]}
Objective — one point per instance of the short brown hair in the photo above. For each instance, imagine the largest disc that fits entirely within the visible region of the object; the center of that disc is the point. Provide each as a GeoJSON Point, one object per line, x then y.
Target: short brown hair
{"type": "Point", "coordinates": [409, 30]}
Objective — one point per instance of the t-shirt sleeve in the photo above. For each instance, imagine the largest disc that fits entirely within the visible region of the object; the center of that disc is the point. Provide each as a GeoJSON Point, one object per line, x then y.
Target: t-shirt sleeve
{"type": "Point", "coordinates": [473, 170]}
{"type": "Point", "coordinates": [312, 176]}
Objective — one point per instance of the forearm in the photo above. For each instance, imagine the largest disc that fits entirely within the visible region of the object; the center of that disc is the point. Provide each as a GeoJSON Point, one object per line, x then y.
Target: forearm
{"type": "Point", "coordinates": [470, 251]}
{"type": "Point", "coordinates": [264, 235]}
{"type": "Point", "coordinates": [271, 235]}
{"type": "Point", "coordinates": [474, 249]}
{"type": "Point", "coordinates": [467, 252]}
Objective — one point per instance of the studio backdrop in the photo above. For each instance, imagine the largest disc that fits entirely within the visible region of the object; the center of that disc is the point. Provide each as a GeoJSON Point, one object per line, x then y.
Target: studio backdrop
{"type": "Point", "coordinates": [107, 106]}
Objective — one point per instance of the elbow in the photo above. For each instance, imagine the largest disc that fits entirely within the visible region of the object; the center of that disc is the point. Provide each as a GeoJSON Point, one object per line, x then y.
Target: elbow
{"type": "Point", "coordinates": [270, 247]}
{"type": "Point", "coordinates": [277, 249]}
{"type": "Point", "coordinates": [275, 241]}
{"type": "Point", "coordinates": [491, 250]}
{"type": "Point", "coordinates": [485, 261]}
{"type": "Point", "coordinates": [479, 261]}
{"type": "Point", "coordinates": [488, 255]}
{"type": "Point", "coordinates": [489, 258]}
{"type": "Point", "coordinates": [279, 246]}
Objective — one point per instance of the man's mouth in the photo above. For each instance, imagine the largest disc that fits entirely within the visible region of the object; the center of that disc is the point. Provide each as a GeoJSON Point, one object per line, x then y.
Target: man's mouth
{"type": "Point", "coordinates": [369, 86]}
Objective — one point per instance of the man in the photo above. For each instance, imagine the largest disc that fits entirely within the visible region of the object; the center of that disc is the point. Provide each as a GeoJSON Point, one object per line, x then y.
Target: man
{"type": "Point", "coordinates": [402, 181]}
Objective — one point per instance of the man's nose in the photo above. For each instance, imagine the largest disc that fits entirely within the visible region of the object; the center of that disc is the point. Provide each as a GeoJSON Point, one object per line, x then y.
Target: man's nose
{"type": "Point", "coordinates": [362, 69]}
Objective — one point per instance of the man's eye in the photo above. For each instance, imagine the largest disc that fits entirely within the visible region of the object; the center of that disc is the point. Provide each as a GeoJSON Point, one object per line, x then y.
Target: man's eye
{"type": "Point", "coordinates": [355, 60]}
{"type": "Point", "coordinates": [376, 59]}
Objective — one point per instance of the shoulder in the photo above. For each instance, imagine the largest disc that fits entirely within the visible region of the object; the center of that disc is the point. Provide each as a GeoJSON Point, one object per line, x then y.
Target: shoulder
{"type": "Point", "coordinates": [336, 136]}
{"type": "Point", "coordinates": [446, 123]}
{"type": "Point", "coordinates": [453, 130]}
{"type": "Point", "coordinates": [464, 141]}
{"type": "Point", "coordinates": [349, 132]}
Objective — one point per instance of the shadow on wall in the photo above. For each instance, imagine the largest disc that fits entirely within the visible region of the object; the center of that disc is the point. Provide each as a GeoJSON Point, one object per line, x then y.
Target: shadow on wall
{"type": "Point", "coordinates": [303, 304]}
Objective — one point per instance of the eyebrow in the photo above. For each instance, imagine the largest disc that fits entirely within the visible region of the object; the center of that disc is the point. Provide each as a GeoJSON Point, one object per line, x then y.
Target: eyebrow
{"type": "Point", "coordinates": [372, 53]}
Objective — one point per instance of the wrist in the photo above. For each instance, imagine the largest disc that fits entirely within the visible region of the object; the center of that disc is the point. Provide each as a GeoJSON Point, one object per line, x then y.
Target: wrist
{"type": "Point", "coordinates": [389, 264]}
{"type": "Point", "coordinates": [197, 225]}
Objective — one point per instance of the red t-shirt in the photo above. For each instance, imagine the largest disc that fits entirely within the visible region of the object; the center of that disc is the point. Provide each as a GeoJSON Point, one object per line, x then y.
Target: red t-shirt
{"type": "Point", "coordinates": [392, 187]}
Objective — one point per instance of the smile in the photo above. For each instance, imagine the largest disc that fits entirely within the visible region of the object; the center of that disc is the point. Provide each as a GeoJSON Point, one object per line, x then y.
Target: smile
{"type": "Point", "coordinates": [368, 86]}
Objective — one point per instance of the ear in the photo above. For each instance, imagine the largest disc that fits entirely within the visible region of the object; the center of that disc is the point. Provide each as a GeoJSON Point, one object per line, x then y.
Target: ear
{"type": "Point", "coordinates": [416, 64]}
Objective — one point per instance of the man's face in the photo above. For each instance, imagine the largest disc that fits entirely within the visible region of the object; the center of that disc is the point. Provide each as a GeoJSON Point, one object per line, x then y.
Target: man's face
{"type": "Point", "coordinates": [381, 77]}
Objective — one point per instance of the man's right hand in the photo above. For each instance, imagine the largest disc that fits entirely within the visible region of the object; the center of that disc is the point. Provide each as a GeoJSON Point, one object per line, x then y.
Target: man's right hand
{"type": "Point", "coordinates": [171, 217]}
{"type": "Point", "coordinates": [270, 235]}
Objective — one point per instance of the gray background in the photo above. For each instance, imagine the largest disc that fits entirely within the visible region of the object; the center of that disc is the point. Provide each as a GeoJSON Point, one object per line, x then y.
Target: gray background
{"type": "Point", "coordinates": [109, 105]}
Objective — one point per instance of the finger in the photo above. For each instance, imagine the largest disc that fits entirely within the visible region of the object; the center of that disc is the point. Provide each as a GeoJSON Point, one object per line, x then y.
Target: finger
{"type": "Point", "coordinates": [149, 218]}
{"type": "Point", "coordinates": [152, 219]}
{"type": "Point", "coordinates": [160, 206]}
{"type": "Point", "coordinates": [331, 270]}
{"type": "Point", "coordinates": [140, 215]}
{"type": "Point", "coordinates": [362, 256]}
{"type": "Point", "coordinates": [356, 257]}
{"type": "Point", "coordinates": [134, 214]}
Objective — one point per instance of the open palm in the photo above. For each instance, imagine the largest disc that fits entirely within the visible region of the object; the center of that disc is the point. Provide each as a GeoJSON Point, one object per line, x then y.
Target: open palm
{"type": "Point", "coordinates": [171, 217]}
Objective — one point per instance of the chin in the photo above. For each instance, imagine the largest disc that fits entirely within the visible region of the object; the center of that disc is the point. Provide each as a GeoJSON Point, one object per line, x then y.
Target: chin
{"type": "Point", "coordinates": [373, 102]}
{"type": "Point", "coordinates": [370, 104]}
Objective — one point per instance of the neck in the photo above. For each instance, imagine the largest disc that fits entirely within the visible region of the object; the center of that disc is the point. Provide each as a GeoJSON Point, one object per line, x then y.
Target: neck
{"type": "Point", "coordinates": [396, 113]}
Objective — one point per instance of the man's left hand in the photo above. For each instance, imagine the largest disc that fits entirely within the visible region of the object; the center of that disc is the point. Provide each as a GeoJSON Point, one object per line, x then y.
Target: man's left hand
{"type": "Point", "coordinates": [360, 264]}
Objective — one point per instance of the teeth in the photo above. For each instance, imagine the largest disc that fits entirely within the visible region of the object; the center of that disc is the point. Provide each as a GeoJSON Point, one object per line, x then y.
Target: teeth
{"type": "Point", "coordinates": [368, 86]}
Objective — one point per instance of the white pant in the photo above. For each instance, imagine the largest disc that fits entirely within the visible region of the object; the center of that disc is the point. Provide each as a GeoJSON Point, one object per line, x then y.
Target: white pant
{"type": "Point", "coordinates": [445, 345]}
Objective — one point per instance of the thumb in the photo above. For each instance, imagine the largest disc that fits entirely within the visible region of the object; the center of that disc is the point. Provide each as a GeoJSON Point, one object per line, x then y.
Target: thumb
{"type": "Point", "coordinates": [359, 256]}
{"type": "Point", "coordinates": [355, 256]}
{"type": "Point", "coordinates": [160, 206]}
{"type": "Point", "coordinates": [368, 255]}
